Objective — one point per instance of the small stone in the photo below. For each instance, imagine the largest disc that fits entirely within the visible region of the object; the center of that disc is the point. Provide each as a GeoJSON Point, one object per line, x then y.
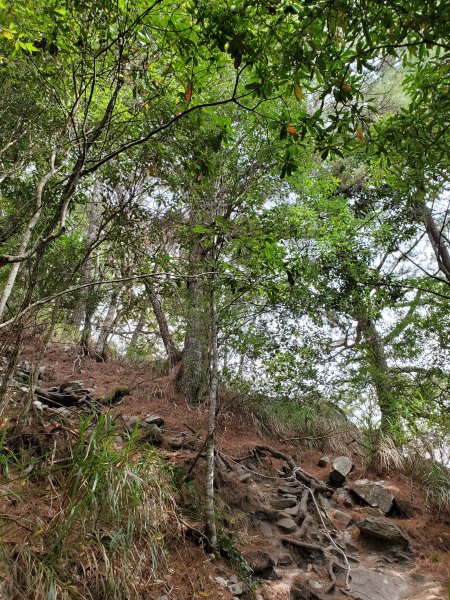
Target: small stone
{"type": "Point", "coordinates": [222, 582]}
{"type": "Point", "coordinates": [236, 589]}
{"type": "Point", "coordinates": [342, 518]}
{"type": "Point", "coordinates": [342, 465]}
{"type": "Point", "coordinates": [245, 478]}
{"type": "Point", "coordinates": [281, 503]}
{"type": "Point", "coordinates": [64, 411]}
{"type": "Point", "coordinates": [316, 585]}
{"type": "Point", "coordinates": [286, 524]}
{"type": "Point", "coordinates": [71, 386]}
{"type": "Point", "coordinates": [163, 597]}
{"type": "Point", "coordinates": [132, 422]}
{"type": "Point", "coordinates": [325, 503]}
{"type": "Point", "coordinates": [341, 496]}
{"type": "Point", "coordinates": [370, 511]}
{"type": "Point", "coordinates": [292, 512]}
{"type": "Point", "coordinates": [285, 559]}
{"type": "Point", "coordinates": [178, 442]}
{"type": "Point", "coordinates": [151, 435]}
{"type": "Point", "coordinates": [323, 462]}
{"type": "Point", "coordinates": [233, 579]}
{"type": "Point", "coordinates": [154, 420]}
{"type": "Point", "coordinates": [345, 537]}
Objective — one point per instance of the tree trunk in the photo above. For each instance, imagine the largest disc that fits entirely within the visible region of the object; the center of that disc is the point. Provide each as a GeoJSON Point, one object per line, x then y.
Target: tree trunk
{"type": "Point", "coordinates": [7, 290]}
{"type": "Point", "coordinates": [139, 326]}
{"type": "Point", "coordinates": [107, 325]}
{"type": "Point", "coordinates": [382, 379]}
{"type": "Point", "coordinates": [79, 315]}
{"type": "Point", "coordinates": [195, 368]}
{"type": "Point", "coordinates": [435, 236]}
{"type": "Point", "coordinates": [173, 354]}
{"type": "Point", "coordinates": [210, 445]}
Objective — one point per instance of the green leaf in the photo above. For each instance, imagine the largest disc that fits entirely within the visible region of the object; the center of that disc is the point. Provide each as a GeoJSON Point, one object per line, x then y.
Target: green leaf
{"type": "Point", "coordinates": [298, 92]}
{"type": "Point", "coordinates": [200, 229]}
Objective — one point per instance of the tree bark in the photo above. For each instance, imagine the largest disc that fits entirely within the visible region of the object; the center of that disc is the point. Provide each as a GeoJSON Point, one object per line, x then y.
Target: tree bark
{"type": "Point", "coordinates": [79, 314]}
{"type": "Point", "coordinates": [139, 326]}
{"type": "Point", "coordinates": [210, 444]}
{"type": "Point", "coordinates": [435, 236]}
{"type": "Point", "coordinates": [108, 324]}
{"type": "Point", "coordinates": [173, 354]}
{"type": "Point", "coordinates": [26, 236]}
{"type": "Point", "coordinates": [195, 367]}
{"type": "Point", "coordinates": [382, 379]}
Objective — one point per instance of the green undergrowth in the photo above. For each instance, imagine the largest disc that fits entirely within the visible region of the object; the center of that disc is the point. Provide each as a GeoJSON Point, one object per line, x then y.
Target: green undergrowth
{"type": "Point", "coordinates": [100, 523]}
{"type": "Point", "coordinates": [410, 459]}
{"type": "Point", "coordinates": [314, 424]}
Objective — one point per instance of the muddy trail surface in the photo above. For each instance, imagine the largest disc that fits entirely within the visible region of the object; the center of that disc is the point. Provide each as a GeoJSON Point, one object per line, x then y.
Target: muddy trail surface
{"type": "Point", "coordinates": [307, 526]}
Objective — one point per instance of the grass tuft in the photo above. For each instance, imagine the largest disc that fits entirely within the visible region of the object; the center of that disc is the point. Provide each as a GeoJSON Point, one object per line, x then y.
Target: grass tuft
{"type": "Point", "coordinates": [317, 425]}
{"type": "Point", "coordinates": [114, 508]}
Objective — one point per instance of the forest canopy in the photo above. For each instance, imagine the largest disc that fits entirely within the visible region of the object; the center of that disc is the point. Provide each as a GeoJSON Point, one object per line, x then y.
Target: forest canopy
{"type": "Point", "coordinates": [254, 193]}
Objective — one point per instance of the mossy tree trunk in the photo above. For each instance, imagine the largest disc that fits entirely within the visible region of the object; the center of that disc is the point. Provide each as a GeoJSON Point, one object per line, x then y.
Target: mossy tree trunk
{"type": "Point", "coordinates": [195, 367]}
{"type": "Point", "coordinates": [383, 380]}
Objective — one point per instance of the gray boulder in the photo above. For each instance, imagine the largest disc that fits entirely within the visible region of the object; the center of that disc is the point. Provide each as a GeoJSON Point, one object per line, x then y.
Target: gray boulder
{"type": "Point", "coordinates": [382, 529]}
{"type": "Point", "coordinates": [374, 493]}
{"type": "Point", "coordinates": [342, 465]}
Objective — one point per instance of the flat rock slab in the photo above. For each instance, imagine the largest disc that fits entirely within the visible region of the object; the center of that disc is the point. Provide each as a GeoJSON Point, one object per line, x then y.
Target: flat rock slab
{"type": "Point", "coordinates": [282, 503]}
{"type": "Point", "coordinates": [292, 512]}
{"type": "Point", "coordinates": [382, 529]}
{"type": "Point", "coordinates": [374, 493]}
{"type": "Point", "coordinates": [368, 584]}
{"type": "Point", "coordinates": [290, 489]}
{"type": "Point", "coordinates": [342, 465]}
{"type": "Point", "coordinates": [287, 525]}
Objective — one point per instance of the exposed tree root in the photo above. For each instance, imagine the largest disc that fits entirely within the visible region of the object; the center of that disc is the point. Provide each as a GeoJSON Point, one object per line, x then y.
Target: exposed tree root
{"type": "Point", "coordinates": [306, 478]}
{"type": "Point", "coordinates": [331, 561]}
{"type": "Point", "coordinates": [311, 485]}
{"type": "Point", "coordinates": [304, 514]}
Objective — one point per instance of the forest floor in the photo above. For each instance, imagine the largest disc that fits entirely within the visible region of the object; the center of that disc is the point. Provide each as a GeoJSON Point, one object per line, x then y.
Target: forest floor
{"type": "Point", "coordinates": [247, 484]}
